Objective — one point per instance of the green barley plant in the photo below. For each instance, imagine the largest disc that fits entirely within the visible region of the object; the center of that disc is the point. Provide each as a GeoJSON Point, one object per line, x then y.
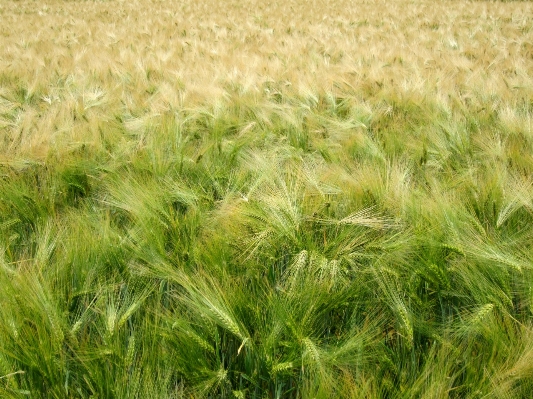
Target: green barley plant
{"type": "Point", "coordinates": [204, 200]}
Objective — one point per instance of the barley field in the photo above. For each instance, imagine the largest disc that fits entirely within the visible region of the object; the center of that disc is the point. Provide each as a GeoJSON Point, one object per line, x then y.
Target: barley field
{"type": "Point", "coordinates": [266, 199]}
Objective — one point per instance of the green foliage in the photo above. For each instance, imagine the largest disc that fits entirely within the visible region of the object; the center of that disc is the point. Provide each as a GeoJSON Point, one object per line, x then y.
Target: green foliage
{"type": "Point", "coordinates": [287, 247]}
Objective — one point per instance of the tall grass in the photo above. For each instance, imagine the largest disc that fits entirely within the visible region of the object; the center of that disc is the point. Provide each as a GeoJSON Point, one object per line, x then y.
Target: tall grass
{"type": "Point", "coordinates": [235, 203]}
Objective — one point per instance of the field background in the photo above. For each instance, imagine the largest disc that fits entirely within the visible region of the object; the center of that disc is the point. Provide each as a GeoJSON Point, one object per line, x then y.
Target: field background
{"type": "Point", "coordinates": [286, 199]}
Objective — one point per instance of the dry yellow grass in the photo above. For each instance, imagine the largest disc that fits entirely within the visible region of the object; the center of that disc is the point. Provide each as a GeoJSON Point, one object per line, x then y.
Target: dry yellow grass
{"type": "Point", "coordinates": [68, 69]}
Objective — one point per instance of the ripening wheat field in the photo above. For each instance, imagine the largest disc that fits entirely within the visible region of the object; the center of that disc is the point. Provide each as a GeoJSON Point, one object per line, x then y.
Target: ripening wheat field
{"type": "Point", "coordinates": [266, 199]}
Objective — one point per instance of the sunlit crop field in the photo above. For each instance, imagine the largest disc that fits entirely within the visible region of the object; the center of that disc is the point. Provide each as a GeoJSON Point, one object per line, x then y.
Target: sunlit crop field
{"type": "Point", "coordinates": [245, 199]}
